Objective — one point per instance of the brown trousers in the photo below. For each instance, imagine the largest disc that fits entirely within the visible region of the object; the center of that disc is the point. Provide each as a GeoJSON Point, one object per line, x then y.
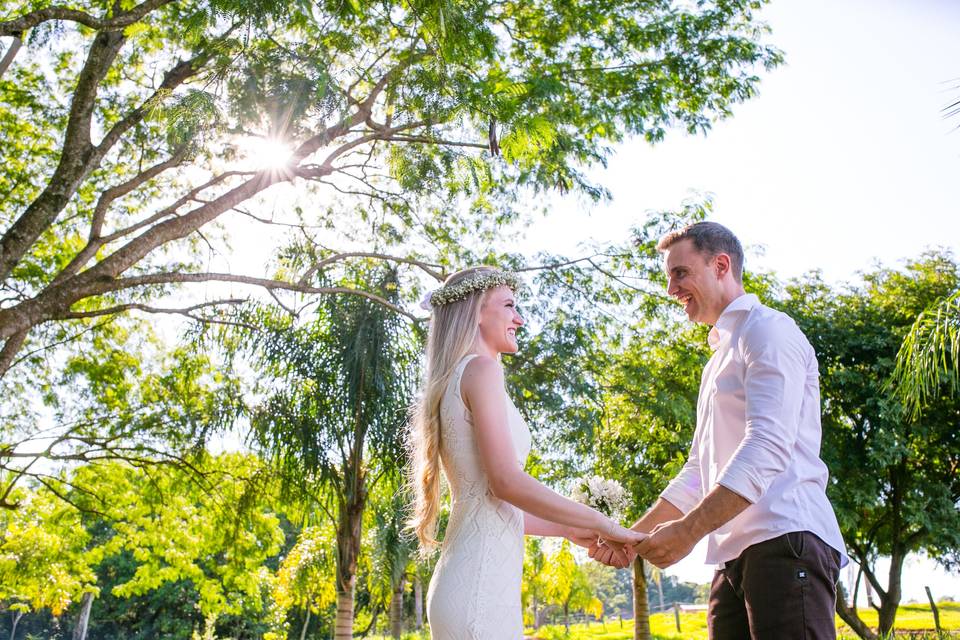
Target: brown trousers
{"type": "Point", "coordinates": [779, 589]}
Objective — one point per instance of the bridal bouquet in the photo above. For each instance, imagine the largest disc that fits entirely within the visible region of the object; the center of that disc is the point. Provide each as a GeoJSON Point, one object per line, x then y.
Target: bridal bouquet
{"type": "Point", "coordinates": [606, 496]}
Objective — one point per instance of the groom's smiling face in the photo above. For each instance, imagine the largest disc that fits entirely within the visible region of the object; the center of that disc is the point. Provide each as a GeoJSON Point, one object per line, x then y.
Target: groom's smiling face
{"type": "Point", "coordinates": [693, 281]}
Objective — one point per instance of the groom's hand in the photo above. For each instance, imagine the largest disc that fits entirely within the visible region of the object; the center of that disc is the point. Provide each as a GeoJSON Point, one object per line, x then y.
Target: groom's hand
{"type": "Point", "coordinates": [668, 543]}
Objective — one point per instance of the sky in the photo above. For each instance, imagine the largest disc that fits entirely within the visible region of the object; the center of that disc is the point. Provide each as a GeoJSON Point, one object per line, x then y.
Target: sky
{"type": "Point", "coordinates": [844, 160]}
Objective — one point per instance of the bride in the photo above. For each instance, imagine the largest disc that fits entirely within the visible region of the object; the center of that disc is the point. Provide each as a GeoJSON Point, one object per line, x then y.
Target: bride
{"type": "Point", "coordinates": [465, 422]}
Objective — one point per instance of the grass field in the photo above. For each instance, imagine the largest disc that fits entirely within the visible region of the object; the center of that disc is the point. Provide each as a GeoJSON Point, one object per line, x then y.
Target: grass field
{"type": "Point", "coordinates": [693, 626]}
{"type": "Point", "coordinates": [911, 619]}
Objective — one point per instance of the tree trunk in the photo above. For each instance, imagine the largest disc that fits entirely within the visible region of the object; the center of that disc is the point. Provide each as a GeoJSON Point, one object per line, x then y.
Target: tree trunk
{"type": "Point", "coordinates": [396, 609]}
{"type": "Point", "coordinates": [849, 615]}
{"type": "Point", "coordinates": [641, 606]}
{"type": "Point", "coordinates": [566, 617]}
{"type": "Point", "coordinates": [306, 623]}
{"type": "Point", "coordinates": [349, 530]}
{"type": "Point", "coordinates": [16, 620]}
{"type": "Point", "coordinates": [343, 625]}
{"type": "Point", "coordinates": [536, 614]}
{"type": "Point", "coordinates": [890, 600]}
{"type": "Point", "coordinates": [80, 631]}
{"type": "Point", "coordinates": [660, 591]}
{"type": "Point", "coordinates": [418, 601]}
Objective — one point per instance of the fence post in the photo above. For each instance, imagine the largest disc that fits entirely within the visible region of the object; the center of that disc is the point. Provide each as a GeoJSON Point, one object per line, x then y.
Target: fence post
{"type": "Point", "coordinates": [936, 613]}
{"type": "Point", "coordinates": [676, 614]}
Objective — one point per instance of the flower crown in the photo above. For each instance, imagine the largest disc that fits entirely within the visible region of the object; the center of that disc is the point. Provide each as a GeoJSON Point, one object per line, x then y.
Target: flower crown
{"type": "Point", "coordinates": [480, 282]}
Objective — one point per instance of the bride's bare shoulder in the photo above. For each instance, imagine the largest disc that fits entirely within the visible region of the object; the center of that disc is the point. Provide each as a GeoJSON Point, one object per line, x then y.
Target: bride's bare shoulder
{"type": "Point", "coordinates": [482, 373]}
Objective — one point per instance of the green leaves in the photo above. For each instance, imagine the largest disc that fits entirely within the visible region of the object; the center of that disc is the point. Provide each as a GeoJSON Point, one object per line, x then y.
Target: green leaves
{"type": "Point", "coordinates": [193, 114]}
{"type": "Point", "coordinates": [929, 358]}
{"type": "Point", "coordinates": [528, 141]}
{"type": "Point", "coordinates": [42, 560]}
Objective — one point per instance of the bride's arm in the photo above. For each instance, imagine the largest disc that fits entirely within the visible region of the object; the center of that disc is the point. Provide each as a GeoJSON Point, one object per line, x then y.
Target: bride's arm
{"type": "Point", "coordinates": [534, 526]}
{"type": "Point", "coordinates": [482, 391]}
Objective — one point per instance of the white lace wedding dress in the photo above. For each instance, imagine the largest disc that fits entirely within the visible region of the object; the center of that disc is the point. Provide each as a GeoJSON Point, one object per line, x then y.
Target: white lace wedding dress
{"type": "Point", "coordinates": [475, 590]}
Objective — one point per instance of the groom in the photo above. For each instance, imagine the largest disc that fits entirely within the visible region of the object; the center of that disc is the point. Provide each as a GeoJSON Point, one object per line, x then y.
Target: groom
{"type": "Point", "coordinates": [753, 484]}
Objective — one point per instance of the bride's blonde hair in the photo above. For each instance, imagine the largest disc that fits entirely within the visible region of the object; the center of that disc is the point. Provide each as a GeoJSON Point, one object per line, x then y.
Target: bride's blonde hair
{"type": "Point", "coordinates": [453, 329]}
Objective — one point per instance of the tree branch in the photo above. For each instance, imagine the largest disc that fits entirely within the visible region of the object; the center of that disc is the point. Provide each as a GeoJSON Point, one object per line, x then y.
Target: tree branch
{"type": "Point", "coordinates": [79, 156]}
{"type": "Point", "coordinates": [266, 283]}
{"type": "Point", "coordinates": [95, 241]}
{"type": "Point", "coordinates": [425, 266]}
{"type": "Point", "coordinates": [364, 110]}
{"type": "Point", "coordinates": [52, 345]}
{"type": "Point", "coordinates": [11, 53]}
{"type": "Point", "coordinates": [111, 194]}
{"type": "Point", "coordinates": [75, 159]}
{"type": "Point", "coordinates": [11, 347]}
{"type": "Point", "coordinates": [136, 306]}
{"type": "Point", "coordinates": [39, 16]}
{"type": "Point", "coordinates": [172, 79]}
{"type": "Point", "coordinates": [867, 571]}
{"type": "Point", "coordinates": [446, 143]}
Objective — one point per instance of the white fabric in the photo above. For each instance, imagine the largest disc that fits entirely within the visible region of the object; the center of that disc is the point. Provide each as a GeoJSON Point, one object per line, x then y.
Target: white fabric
{"type": "Point", "coordinates": [758, 433]}
{"type": "Point", "coordinates": [475, 590]}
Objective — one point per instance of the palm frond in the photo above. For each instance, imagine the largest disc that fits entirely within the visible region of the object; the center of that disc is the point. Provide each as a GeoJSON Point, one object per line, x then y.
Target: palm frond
{"type": "Point", "coordinates": [928, 363]}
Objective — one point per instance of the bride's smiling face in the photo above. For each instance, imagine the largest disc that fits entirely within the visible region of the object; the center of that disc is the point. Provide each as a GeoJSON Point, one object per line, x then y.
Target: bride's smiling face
{"type": "Point", "coordinates": [499, 320]}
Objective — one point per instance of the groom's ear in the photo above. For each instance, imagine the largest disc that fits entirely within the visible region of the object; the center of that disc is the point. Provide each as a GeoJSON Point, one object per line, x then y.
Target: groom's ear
{"type": "Point", "coordinates": [721, 264]}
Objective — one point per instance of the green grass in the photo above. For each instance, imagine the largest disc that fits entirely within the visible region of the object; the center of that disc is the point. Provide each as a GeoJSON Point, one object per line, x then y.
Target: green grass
{"type": "Point", "coordinates": [917, 616]}
{"type": "Point", "coordinates": [693, 626]}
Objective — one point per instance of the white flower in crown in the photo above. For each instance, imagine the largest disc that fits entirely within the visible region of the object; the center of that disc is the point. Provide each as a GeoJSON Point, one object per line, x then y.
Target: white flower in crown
{"type": "Point", "coordinates": [606, 496]}
{"type": "Point", "coordinates": [481, 281]}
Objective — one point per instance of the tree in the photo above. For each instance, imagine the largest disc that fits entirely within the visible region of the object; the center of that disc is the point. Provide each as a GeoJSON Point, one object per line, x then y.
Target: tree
{"type": "Point", "coordinates": [123, 396]}
{"type": "Point", "coordinates": [612, 588]}
{"type": "Point", "coordinates": [894, 482]}
{"type": "Point", "coordinates": [131, 533]}
{"type": "Point", "coordinates": [566, 585]}
{"type": "Point", "coordinates": [331, 423]}
{"type": "Point", "coordinates": [535, 579]}
{"type": "Point", "coordinates": [43, 564]}
{"type": "Point", "coordinates": [130, 123]}
{"type": "Point", "coordinates": [305, 579]}
{"type": "Point", "coordinates": [394, 548]}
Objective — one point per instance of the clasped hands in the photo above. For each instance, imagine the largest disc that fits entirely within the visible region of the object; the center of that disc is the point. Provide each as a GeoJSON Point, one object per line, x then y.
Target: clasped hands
{"type": "Point", "coordinates": [667, 544]}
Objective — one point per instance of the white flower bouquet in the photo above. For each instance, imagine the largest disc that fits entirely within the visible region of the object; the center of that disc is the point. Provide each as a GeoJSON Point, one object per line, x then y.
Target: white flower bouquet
{"type": "Point", "coordinates": [606, 496]}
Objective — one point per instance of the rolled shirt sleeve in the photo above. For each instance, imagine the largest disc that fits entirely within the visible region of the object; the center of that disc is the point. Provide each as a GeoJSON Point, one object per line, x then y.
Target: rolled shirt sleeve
{"type": "Point", "coordinates": [774, 358]}
{"type": "Point", "coordinates": [686, 489]}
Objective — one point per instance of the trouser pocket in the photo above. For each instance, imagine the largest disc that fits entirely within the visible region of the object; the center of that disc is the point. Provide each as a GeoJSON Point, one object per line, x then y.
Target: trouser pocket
{"type": "Point", "coordinates": [795, 543]}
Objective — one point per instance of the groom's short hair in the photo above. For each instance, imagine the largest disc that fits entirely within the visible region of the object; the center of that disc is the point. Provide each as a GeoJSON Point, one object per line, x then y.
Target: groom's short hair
{"type": "Point", "coordinates": [710, 238]}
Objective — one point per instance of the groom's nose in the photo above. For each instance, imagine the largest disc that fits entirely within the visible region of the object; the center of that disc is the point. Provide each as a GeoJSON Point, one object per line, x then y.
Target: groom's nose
{"type": "Point", "coordinates": [671, 288]}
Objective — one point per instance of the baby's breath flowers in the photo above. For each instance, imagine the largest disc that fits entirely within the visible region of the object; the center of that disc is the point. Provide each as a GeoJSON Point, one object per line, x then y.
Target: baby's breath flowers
{"type": "Point", "coordinates": [482, 281]}
{"type": "Point", "coordinates": [606, 496]}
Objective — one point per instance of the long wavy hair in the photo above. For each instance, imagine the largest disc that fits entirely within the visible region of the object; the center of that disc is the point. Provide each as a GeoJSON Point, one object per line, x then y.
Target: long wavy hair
{"type": "Point", "coordinates": [453, 330]}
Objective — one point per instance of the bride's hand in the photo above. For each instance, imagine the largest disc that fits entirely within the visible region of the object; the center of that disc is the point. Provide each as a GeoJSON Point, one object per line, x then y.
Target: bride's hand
{"type": "Point", "coordinates": [585, 538]}
{"type": "Point", "coordinates": [616, 533]}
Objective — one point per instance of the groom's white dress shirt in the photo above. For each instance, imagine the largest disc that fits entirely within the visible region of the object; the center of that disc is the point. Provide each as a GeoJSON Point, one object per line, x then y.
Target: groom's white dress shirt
{"type": "Point", "coordinates": [758, 433]}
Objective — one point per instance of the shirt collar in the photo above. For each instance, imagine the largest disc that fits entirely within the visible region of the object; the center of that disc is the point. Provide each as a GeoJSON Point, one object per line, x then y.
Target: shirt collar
{"type": "Point", "coordinates": [728, 319]}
